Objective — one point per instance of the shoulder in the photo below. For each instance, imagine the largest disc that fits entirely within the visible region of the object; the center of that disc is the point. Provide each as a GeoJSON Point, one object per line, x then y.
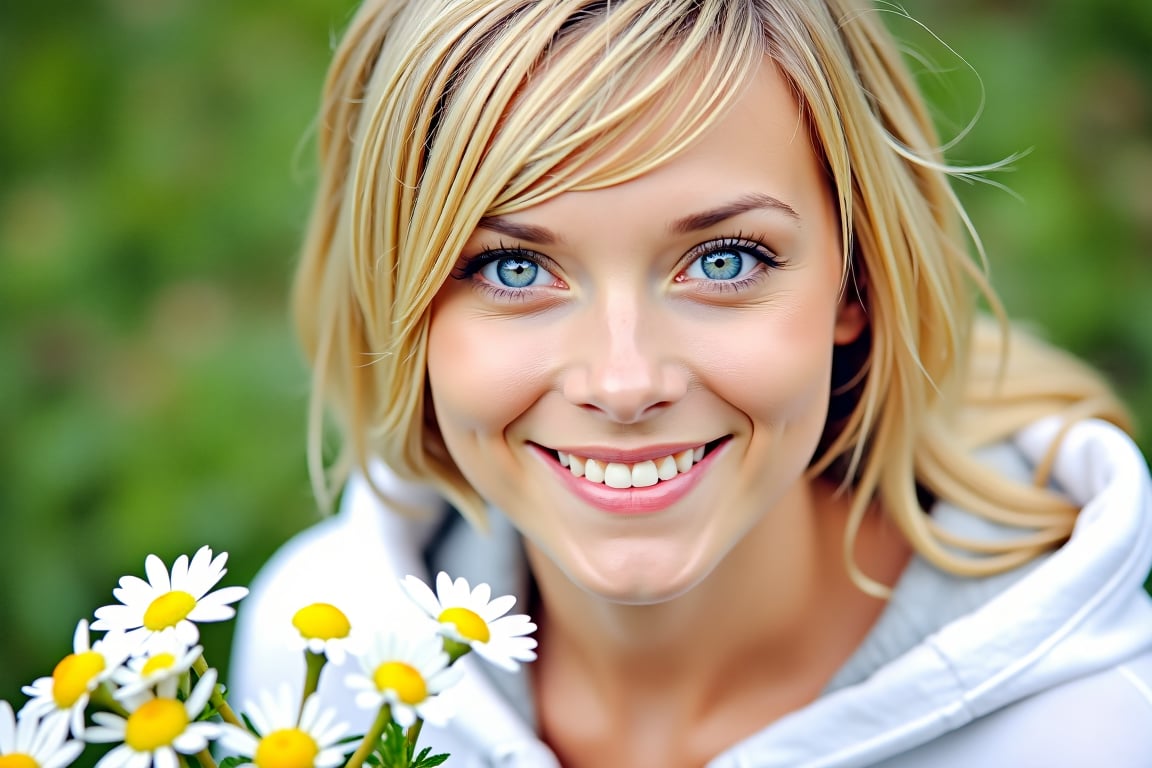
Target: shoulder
{"type": "Point", "coordinates": [1101, 719]}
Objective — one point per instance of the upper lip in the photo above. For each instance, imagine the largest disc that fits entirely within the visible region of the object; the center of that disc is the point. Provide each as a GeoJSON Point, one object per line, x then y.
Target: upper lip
{"type": "Point", "coordinates": [626, 456]}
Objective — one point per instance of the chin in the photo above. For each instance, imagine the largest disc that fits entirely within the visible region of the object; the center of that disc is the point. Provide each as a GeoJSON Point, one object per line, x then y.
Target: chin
{"type": "Point", "coordinates": [628, 573]}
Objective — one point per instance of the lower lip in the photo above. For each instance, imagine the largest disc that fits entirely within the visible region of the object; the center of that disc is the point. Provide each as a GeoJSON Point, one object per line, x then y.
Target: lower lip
{"type": "Point", "coordinates": [633, 501]}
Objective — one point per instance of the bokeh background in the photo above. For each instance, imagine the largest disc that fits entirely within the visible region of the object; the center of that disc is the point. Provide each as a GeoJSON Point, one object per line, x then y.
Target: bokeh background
{"type": "Point", "coordinates": [155, 169]}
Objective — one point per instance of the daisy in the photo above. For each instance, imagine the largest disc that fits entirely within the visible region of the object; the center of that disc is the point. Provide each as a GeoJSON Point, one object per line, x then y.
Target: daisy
{"type": "Point", "coordinates": [162, 602]}
{"type": "Point", "coordinates": [163, 665]}
{"type": "Point", "coordinates": [323, 629]}
{"type": "Point", "coordinates": [408, 673]}
{"type": "Point", "coordinates": [286, 743]}
{"type": "Point", "coordinates": [73, 680]}
{"type": "Point", "coordinates": [29, 742]}
{"type": "Point", "coordinates": [156, 729]}
{"type": "Point", "coordinates": [469, 618]}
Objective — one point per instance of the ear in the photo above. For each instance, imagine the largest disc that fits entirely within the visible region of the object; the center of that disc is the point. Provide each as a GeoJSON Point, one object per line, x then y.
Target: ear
{"type": "Point", "coordinates": [851, 318]}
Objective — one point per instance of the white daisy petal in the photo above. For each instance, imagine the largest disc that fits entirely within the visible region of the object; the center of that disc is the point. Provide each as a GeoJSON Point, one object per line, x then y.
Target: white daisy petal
{"type": "Point", "coordinates": [180, 574]}
{"type": "Point", "coordinates": [277, 711]}
{"type": "Point", "coordinates": [132, 587]}
{"type": "Point", "coordinates": [367, 700]}
{"type": "Point", "coordinates": [436, 712]}
{"type": "Point", "coordinates": [481, 593]}
{"type": "Point", "coordinates": [142, 759]}
{"type": "Point", "coordinates": [52, 731]}
{"type": "Point", "coordinates": [116, 757]}
{"type": "Point", "coordinates": [64, 756]}
{"type": "Point", "coordinates": [201, 693]}
{"type": "Point", "coordinates": [422, 595]}
{"type": "Point", "coordinates": [157, 574]}
{"type": "Point", "coordinates": [80, 636]}
{"type": "Point", "coordinates": [498, 607]}
{"type": "Point", "coordinates": [470, 616]}
{"type": "Point", "coordinates": [25, 732]}
{"type": "Point", "coordinates": [101, 735]}
{"type": "Point", "coordinates": [328, 758]}
{"type": "Point", "coordinates": [209, 613]}
{"type": "Point", "coordinates": [175, 599]}
{"type": "Point", "coordinates": [443, 584]}
{"type": "Point", "coordinates": [194, 739]}
{"type": "Point", "coordinates": [7, 728]}
{"type": "Point", "coordinates": [238, 740]}
{"type": "Point", "coordinates": [512, 626]}
{"type": "Point", "coordinates": [114, 616]}
{"type": "Point", "coordinates": [165, 758]}
{"type": "Point", "coordinates": [188, 632]}
{"type": "Point", "coordinates": [205, 571]}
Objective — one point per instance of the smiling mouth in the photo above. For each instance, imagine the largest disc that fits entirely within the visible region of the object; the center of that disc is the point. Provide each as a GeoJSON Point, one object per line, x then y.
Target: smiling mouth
{"type": "Point", "coordinates": [641, 474]}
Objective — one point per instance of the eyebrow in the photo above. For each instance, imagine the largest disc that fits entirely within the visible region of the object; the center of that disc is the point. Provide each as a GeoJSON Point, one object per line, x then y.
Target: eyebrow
{"type": "Point", "coordinates": [753, 201]}
{"type": "Point", "coordinates": [516, 231]}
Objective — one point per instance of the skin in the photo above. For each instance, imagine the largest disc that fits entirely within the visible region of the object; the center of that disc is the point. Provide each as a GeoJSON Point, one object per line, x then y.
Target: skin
{"type": "Point", "coordinates": [708, 617]}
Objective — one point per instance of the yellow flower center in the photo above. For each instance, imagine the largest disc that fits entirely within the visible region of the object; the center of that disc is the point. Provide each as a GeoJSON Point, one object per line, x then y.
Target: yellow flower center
{"type": "Point", "coordinates": [321, 621]}
{"type": "Point", "coordinates": [73, 677]}
{"type": "Point", "coordinates": [18, 760]}
{"type": "Point", "coordinates": [286, 748]}
{"type": "Point", "coordinates": [154, 724]}
{"type": "Point", "coordinates": [404, 679]}
{"type": "Point", "coordinates": [157, 663]}
{"type": "Point", "coordinates": [468, 623]}
{"type": "Point", "coordinates": [168, 610]}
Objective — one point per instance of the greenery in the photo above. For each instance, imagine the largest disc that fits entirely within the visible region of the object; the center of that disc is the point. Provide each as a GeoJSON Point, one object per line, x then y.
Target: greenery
{"type": "Point", "coordinates": [155, 169]}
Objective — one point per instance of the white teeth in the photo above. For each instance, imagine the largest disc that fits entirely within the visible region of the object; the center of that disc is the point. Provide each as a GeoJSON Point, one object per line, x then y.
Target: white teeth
{"type": "Point", "coordinates": [642, 474]}
{"type": "Point", "coordinates": [617, 476]}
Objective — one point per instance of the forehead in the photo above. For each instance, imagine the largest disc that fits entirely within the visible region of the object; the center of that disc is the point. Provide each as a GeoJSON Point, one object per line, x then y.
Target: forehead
{"type": "Point", "coordinates": [588, 115]}
{"type": "Point", "coordinates": [755, 152]}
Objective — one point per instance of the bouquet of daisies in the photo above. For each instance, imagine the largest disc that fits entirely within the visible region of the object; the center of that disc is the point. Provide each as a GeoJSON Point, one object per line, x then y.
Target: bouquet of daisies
{"type": "Point", "coordinates": [146, 688]}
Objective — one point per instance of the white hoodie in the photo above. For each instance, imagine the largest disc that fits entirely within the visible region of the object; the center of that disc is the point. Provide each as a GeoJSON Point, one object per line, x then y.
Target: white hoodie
{"type": "Point", "coordinates": [1049, 666]}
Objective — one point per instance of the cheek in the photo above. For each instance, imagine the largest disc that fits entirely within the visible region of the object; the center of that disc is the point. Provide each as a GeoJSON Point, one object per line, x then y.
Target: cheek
{"type": "Point", "coordinates": [776, 367]}
{"type": "Point", "coordinates": [482, 372]}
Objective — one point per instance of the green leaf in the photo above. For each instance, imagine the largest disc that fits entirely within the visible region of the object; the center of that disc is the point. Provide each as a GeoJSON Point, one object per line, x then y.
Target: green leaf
{"type": "Point", "coordinates": [429, 762]}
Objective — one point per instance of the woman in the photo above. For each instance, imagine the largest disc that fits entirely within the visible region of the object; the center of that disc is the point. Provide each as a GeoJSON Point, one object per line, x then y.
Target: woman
{"type": "Point", "coordinates": [671, 300]}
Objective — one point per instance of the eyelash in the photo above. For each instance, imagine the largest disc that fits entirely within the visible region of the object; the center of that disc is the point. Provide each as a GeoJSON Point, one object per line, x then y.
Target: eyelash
{"type": "Point", "coordinates": [745, 245]}
{"type": "Point", "coordinates": [751, 246]}
{"type": "Point", "coordinates": [475, 264]}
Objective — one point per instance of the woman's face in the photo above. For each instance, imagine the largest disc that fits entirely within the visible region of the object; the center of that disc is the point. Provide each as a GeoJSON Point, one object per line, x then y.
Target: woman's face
{"type": "Point", "coordinates": [639, 375]}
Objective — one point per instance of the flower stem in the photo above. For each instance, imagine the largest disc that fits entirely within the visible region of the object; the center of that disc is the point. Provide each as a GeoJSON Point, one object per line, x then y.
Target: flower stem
{"type": "Point", "coordinates": [371, 738]}
{"type": "Point", "coordinates": [102, 699]}
{"type": "Point", "coordinates": [217, 698]}
{"type": "Point", "coordinates": [313, 664]}
{"type": "Point", "coordinates": [455, 650]}
{"type": "Point", "coordinates": [204, 757]}
{"type": "Point", "coordinates": [414, 733]}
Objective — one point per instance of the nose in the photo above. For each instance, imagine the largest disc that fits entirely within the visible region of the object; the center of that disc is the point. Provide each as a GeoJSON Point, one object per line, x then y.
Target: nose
{"type": "Point", "coordinates": [623, 362]}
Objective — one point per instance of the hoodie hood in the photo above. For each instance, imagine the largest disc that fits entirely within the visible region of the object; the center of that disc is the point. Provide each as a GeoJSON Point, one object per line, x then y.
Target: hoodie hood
{"type": "Point", "coordinates": [1080, 610]}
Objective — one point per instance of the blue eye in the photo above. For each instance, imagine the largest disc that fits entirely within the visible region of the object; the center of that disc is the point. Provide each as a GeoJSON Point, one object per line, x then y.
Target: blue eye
{"type": "Point", "coordinates": [514, 272]}
{"type": "Point", "coordinates": [724, 263]}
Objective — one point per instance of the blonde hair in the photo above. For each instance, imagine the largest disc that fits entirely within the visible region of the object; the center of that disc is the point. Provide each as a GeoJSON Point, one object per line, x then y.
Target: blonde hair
{"type": "Point", "coordinates": [428, 125]}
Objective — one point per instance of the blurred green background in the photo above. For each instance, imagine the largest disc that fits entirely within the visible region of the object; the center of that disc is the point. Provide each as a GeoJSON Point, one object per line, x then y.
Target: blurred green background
{"type": "Point", "coordinates": [155, 170]}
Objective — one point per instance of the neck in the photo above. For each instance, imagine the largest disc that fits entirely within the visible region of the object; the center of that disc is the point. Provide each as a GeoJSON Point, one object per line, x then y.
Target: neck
{"type": "Point", "coordinates": [778, 613]}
